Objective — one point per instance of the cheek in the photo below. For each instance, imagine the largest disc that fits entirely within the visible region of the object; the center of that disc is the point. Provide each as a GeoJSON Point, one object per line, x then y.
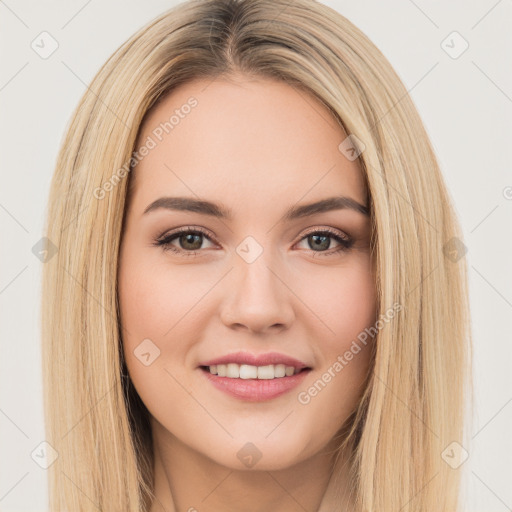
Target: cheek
{"type": "Point", "coordinates": [156, 310]}
{"type": "Point", "coordinates": [345, 301]}
{"type": "Point", "coordinates": [163, 304]}
{"type": "Point", "coordinates": [353, 305]}
{"type": "Point", "coordinates": [348, 306]}
{"type": "Point", "coordinates": [155, 298]}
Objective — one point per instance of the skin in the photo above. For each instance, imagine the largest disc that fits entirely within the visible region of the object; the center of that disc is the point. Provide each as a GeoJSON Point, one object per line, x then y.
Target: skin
{"type": "Point", "coordinates": [257, 147]}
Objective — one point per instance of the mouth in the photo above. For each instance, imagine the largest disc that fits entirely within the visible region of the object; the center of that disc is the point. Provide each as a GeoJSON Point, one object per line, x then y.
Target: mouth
{"type": "Point", "coordinates": [254, 377]}
{"type": "Point", "coordinates": [247, 371]}
{"type": "Point", "coordinates": [255, 383]}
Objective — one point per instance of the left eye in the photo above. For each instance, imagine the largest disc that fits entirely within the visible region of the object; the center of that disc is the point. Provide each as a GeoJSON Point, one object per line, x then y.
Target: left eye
{"type": "Point", "coordinates": [191, 240]}
{"type": "Point", "coordinates": [322, 240]}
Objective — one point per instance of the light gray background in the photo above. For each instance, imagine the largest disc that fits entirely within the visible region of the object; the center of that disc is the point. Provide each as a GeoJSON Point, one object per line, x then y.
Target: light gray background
{"type": "Point", "coordinates": [466, 105]}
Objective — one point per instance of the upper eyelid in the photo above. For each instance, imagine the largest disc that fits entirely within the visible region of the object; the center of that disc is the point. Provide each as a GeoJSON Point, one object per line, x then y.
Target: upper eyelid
{"type": "Point", "coordinates": [179, 231]}
{"type": "Point", "coordinates": [331, 231]}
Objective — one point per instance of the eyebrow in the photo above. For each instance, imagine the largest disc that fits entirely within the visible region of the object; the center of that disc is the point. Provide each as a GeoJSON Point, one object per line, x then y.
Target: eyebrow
{"type": "Point", "coordinates": [204, 207]}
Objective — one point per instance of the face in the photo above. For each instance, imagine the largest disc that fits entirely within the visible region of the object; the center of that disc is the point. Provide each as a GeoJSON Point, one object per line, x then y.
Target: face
{"type": "Point", "coordinates": [254, 281]}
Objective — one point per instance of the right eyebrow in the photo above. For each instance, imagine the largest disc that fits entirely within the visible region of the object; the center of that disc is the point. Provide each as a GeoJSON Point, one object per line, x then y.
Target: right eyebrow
{"type": "Point", "coordinates": [190, 205]}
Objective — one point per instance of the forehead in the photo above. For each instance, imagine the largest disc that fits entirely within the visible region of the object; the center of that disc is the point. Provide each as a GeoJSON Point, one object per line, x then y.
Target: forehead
{"type": "Point", "coordinates": [249, 138]}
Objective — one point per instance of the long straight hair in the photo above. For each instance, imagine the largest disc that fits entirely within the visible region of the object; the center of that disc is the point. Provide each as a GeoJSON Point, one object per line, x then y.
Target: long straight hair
{"type": "Point", "coordinates": [412, 407]}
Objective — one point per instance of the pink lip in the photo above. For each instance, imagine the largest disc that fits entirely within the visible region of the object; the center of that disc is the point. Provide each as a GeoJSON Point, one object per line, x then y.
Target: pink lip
{"type": "Point", "coordinates": [255, 390]}
{"type": "Point", "coordinates": [256, 360]}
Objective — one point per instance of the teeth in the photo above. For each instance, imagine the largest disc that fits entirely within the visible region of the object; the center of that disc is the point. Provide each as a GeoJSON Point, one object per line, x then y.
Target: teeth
{"type": "Point", "coordinates": [246, 371]}
{"type": "Point", "coordinates": [266, 372]}
{"type": "Point", "coordinates": [233, 371]}
{"type": "Point", "coordinates": [280, 370]}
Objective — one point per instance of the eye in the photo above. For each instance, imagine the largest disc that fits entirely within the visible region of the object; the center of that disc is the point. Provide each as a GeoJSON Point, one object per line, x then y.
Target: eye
{"type": "Point", "coordinates": [321, 240]}
{"type": "Point", "coordinates": [189, 241]}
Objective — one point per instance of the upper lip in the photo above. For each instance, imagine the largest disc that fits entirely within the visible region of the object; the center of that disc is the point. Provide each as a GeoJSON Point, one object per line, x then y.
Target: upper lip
{"type": "Point", "coordinates": [256, 360]}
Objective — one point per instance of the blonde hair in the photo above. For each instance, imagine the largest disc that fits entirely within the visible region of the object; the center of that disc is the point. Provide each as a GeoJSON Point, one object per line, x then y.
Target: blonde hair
{"type": "Point", "coordinates": [412, 407]}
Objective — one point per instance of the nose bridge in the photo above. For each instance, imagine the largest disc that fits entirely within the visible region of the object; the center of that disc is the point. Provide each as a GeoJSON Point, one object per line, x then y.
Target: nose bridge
{"type": "Point", "coordinates": [258, 279]}
{"type": "Point", "coordinates": [258, 297]}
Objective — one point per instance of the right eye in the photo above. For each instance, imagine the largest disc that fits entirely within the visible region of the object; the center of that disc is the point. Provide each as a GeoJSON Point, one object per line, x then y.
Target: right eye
{"type": "Point", "coordinates": [189, 240]}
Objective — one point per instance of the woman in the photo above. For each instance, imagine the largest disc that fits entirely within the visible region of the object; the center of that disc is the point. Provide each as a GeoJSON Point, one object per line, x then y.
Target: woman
{"type": "Point", "coordinates": [258, 300]}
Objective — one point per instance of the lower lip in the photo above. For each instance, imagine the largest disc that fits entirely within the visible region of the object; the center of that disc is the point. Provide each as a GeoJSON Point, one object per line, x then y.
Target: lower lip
{"type": "Point", "coordinates": [256, 390]}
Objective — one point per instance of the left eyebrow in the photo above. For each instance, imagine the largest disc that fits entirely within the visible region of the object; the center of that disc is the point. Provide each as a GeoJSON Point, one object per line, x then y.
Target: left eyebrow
{"type": "Point", "coordinates": [325, 205]}
{"type": "Point", "coordinates": [219, 211]}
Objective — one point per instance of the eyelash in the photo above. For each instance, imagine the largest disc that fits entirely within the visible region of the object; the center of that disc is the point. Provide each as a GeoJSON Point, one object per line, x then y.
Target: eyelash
{"type": "Point", "coordinates": [165, 242]}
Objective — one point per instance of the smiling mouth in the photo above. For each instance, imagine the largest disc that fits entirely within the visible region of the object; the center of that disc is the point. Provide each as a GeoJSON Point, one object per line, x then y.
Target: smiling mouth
{"type": "Point", "coordinates": [246, 371]}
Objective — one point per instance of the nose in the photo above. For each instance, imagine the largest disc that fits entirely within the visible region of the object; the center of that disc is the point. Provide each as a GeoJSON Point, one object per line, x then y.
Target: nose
{"type": "Point", "coordinates": [258, 298]}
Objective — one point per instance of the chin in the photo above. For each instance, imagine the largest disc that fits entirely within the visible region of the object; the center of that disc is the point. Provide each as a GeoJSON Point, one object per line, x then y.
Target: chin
{"type": "Point", "coordinates": [261, 454]}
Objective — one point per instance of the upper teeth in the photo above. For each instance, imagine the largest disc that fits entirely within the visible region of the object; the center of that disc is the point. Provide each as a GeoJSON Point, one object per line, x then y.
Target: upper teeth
{"type": "Point", "coordinates": [246, 371]}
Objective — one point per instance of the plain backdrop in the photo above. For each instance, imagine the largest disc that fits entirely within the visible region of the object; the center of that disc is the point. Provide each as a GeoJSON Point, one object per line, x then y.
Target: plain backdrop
{"type": "Point", "coordinates": [465, 103]}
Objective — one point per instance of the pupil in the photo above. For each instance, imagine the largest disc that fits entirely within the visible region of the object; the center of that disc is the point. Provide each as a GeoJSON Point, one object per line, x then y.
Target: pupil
{"type": "Point", "coordinates": [189, 238]}
{"type": "Point", "coordinates": [319, 244]}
